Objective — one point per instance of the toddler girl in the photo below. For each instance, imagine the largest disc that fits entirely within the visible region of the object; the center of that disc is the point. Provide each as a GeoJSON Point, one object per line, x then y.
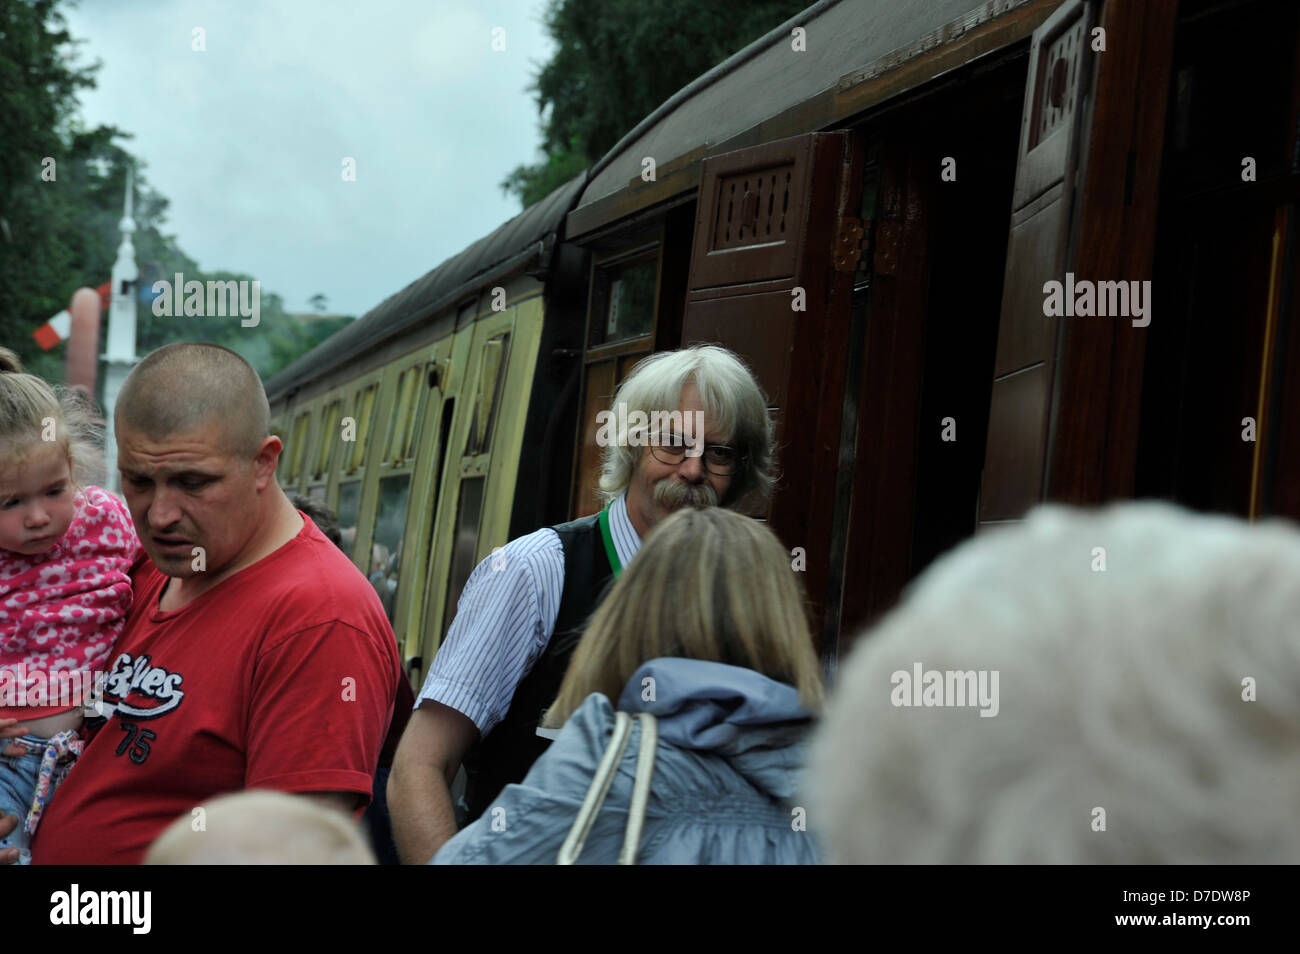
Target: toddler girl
{"type": "Point", "coordinates": [65, 550]}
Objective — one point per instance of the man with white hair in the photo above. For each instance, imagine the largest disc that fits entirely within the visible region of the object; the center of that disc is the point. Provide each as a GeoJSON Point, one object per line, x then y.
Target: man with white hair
{"type": "Point", "coordinates": [687, 428]}
{"type": "Point", "coordinates": [1147, 699]}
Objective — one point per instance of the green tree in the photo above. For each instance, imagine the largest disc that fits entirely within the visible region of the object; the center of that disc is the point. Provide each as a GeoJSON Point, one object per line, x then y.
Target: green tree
{"type": "Point", "coordinates": [616, 61]}
{"type": "Point", "coordinates": [59, 220]}
{"type": "Point", "coordinates": [38, 87]}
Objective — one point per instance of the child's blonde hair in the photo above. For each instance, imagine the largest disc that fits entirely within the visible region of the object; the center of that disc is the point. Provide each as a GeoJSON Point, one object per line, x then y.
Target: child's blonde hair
{"type": "Point", "coordinates": [29, 405]}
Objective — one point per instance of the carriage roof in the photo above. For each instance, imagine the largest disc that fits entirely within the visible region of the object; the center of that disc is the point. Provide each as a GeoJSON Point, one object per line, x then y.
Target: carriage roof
{"type": "Point", "coordinates": [528, 234]}
{"type": "Point", "coordinates": [858, 53]}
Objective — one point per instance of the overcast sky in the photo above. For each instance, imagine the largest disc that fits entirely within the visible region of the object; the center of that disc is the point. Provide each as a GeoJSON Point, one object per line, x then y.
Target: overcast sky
{"type": "Point", "coordinates": [247, 139]}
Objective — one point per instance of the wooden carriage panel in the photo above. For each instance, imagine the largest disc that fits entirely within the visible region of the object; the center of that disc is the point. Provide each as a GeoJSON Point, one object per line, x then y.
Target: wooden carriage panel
{"type": "Point", "coordinates": [762, 283]}
{"type": "Point", "coordinates": [1092, 136]}
{"type": "Point", "coordinates": [753, 215]}
{"type": "Point", "coordinates": [1017, 439]}
{"type": "Point", "coordinates": [1042, 206]}
{"type": "Point", "coordinates": [602, 380]}
{"type": "Point", "coordinates": [767, 349]}
{"type": "Point", "coordinates": [1093, 452]}
{"type": "Point", "coordinates": [1035, 254]}
{"type": "Point", "coordinates": [1282, 495]}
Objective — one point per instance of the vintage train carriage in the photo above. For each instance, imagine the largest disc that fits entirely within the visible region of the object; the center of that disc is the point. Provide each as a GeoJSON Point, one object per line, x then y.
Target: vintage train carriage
{"type": "Point", "coordinates": [431, 425]}
{"type": "Point", "coordinates": [868, 204]}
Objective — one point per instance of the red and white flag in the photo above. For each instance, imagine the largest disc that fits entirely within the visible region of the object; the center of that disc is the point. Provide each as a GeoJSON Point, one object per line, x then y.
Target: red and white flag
{"type": "Point", "coordinates": [54, 330]}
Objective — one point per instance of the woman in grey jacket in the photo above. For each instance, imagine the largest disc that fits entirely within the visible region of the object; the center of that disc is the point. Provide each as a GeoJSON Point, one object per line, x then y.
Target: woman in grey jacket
{"type": "Point", "coordinates": [706, 630]}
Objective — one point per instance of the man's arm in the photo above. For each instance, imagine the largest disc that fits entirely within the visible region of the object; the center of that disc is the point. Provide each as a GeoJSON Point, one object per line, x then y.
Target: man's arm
{"type": "Point", "coordinates": [320, 700]}
{"type": "Point", "coordinates": [490, 647]}
{"type": "Point", "coordinates": [419, 786]}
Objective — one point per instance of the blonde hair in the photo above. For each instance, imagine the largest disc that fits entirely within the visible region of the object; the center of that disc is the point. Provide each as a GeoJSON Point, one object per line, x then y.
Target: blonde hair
{"type": "Point", "coordinates": [28, 404]}
{"type": "Point", "coordinates": [708, 584]}
{"type": "Point", "coordinates": [262, 827]}
{"type": "Point", "coordinates": [729, 393]}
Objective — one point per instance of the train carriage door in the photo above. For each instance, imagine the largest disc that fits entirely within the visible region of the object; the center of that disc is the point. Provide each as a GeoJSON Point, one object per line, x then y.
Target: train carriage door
{"type": "Point", "coordinates": [397, 537]}
{"type": "Point", "coordinates": [1062, 421]}
{"type": "Point", "coordinates": [432, 435]}
{"type": "Point", "coordinates": [479, 491]}
{"type": "Point", "coordinates": [775, 248]}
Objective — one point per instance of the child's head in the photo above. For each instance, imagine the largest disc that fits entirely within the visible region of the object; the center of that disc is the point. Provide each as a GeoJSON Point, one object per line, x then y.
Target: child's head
{"type": "Point", "coordinates": [261, 828]}
{"type": "Point", "coordinates": [49, 447]}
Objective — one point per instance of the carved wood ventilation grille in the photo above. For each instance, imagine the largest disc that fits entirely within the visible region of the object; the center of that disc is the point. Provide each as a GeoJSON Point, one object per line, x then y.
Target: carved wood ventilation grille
{"type": "Point", "coordinates": [1058, 85]}
{"type": "Point", "coordinates": [752, 207]}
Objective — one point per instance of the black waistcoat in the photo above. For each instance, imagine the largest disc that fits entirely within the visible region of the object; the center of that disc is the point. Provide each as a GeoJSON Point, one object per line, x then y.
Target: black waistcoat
{"type": "Point", "coordinates": [513, 745]}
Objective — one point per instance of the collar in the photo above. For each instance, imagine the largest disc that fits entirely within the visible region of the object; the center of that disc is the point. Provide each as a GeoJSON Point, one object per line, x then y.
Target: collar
{"type": "Point", "coordinates": [626, 541]}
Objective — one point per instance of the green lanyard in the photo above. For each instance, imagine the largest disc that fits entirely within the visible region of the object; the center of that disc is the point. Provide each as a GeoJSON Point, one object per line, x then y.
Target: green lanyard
{"type": "Point", "coordinates": [608, 537]}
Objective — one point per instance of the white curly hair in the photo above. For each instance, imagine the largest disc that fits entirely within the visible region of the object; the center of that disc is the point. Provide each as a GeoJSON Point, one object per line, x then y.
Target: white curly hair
{"type": "Point", "coordinates": [1126, 689]}
{"type": "Point", "coordinates": [732, 398]}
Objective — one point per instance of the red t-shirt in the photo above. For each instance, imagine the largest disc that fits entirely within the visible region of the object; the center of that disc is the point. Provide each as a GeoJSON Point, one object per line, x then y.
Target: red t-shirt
{"type": "Point", "coordinates": [282, 676]}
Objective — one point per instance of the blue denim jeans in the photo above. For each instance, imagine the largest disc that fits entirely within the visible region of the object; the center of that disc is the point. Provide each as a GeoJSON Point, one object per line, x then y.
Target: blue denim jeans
{"type": "Point", "coordinates": [18, 774]}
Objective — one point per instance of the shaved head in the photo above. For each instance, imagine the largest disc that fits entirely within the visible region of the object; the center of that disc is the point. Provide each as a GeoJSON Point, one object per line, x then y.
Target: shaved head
{"type": "Point", "coordinates": [181, 388]}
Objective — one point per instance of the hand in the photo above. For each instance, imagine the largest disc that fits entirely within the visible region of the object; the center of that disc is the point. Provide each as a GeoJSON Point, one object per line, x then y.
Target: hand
{"type": "Point", "coordinates": [9, 729]}
{"type": "Point", "coordinates": [8, 856]}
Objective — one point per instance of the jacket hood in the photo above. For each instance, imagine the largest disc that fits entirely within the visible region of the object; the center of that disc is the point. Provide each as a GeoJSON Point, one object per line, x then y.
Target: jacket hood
{"type": "Point", "coordinates": [754, 722]}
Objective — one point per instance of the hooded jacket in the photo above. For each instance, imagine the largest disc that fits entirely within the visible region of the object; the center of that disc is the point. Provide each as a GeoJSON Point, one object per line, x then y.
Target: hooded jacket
{"type": "Point", "coordinates": [731, 751]}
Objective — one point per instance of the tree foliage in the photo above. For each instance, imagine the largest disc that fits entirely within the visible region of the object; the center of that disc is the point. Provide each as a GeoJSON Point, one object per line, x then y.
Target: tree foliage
{"type": "Point", "coordinates": [616, 61]}
{"type": "Point", "coordinates": [38, 234]}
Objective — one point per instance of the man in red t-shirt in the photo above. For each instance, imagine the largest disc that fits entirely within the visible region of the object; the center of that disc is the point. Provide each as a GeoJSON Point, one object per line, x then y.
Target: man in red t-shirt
{"type": "Point", "coordinates": [255, 655]}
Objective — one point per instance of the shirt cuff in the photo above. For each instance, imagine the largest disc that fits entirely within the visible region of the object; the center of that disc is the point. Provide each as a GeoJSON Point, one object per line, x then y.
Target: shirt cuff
{"type": "Point", "coordinates": [317, 780]}
{"type": "Point", "coordinates": [464, 699]}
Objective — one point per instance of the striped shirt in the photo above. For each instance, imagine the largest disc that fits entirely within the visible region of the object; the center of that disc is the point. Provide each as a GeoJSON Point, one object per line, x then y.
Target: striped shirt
{"type": "Point", "coordinates": [504, 620]}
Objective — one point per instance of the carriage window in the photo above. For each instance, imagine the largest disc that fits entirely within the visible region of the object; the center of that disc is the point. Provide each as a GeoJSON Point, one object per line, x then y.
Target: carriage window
{"type": "Point", "coordinates": [386, 548]}
{"type": "Point", "coordinates": [328, 439]}
{"type": "Point", "coordinates": [364, 412]}
{"type": "Point", "coordinates": [490, 381]}
{"type": "Point", "coordinates": [420, 375]}
{"type": "Point", "coordinates": [464, 546]}
{"type": "Point", "coordinates": [624, 305]}
{"type": "Point", "coordinates": [400, 440]}
{"type": "Point", "coordinates": [297, 449]}
{"type": "Point", "coordinates": [282, 468]}
{"type": "Point", "coordinates": [349, 508]}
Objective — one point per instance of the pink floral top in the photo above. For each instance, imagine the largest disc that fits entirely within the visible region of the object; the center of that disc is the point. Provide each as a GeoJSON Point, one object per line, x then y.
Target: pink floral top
{"type": "Point", "coordinates": [63, 609]}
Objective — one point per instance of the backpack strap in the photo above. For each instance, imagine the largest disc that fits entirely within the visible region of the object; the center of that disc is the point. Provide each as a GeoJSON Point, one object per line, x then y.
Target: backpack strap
{"type": "Point", "coordinates": [645, 770]}
{"type": "Point", "coordinates": [600, 784]}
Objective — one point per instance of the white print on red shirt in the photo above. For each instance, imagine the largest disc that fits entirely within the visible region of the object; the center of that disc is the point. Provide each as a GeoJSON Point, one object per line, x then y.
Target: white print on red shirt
{"type": "Point", "coordinates": [142, 690]}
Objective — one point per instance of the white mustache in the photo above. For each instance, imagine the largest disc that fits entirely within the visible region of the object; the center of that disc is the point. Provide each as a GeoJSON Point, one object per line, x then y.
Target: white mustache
{"type": "Point", "coordinates": [673, 494]}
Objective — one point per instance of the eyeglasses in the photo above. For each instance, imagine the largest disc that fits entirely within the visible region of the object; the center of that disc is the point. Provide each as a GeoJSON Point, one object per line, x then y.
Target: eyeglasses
{"type": "Point", "coordinates": [721, 460]}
